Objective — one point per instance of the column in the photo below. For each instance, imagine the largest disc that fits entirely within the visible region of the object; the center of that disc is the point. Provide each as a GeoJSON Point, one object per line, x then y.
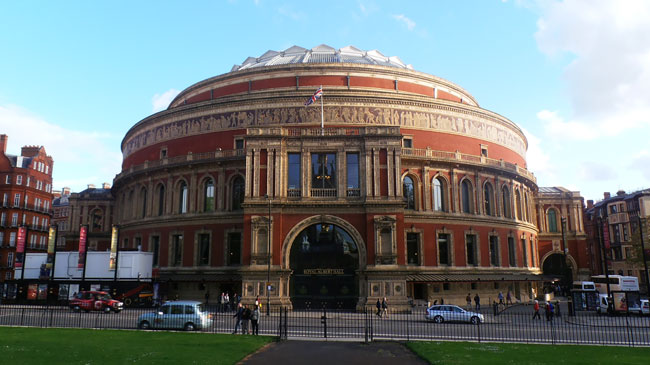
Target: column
{"type": "Point", "coordinates": [389, 172]}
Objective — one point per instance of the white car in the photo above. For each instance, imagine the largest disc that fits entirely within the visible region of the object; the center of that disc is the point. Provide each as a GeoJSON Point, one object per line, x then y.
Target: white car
{"type": "Point", "coordinates": [452, 313]}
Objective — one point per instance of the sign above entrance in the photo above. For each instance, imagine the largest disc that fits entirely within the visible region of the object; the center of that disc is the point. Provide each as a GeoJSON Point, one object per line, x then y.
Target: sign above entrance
{"type": "Point", "coordinates": [323, 272]}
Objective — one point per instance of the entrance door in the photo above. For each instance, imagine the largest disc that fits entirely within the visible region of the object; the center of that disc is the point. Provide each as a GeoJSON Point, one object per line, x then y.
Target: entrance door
{"type": "Point", "coordinates": [324, 259]}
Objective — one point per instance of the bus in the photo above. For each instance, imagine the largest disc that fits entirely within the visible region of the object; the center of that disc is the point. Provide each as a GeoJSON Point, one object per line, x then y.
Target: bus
{"type": "Point", "coordinates": [617, 283]}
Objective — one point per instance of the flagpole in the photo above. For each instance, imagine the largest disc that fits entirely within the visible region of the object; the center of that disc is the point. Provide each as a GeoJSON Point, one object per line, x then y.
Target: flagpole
{"type": "Point", "coordinates": [322, 123]}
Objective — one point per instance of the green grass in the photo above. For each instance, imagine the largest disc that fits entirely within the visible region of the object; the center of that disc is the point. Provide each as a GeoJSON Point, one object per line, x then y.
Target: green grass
{"type": "Point", "coordinates": [499, 353]}
{"type": "Point", "coordinates": [85, 346]}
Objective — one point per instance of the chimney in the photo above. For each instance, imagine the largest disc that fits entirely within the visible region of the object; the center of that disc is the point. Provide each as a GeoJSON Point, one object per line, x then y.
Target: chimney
{"type": "Point", "coordinates": [620, 193]}
{"type": "Point", "coordinates": [29, 151]}
{"type": "Point", "coordinates": [607, 195]}
{"type": "Point", "coordinates": [66, 191]}
{"type": "Point", "coordinates": [3, 143]}
{"type": "Point", "coordinates": [590, 204]}
{"type": "Point", "coordinates": [106, 186]}
{"type": "Point", "coordinates": [91, 186]}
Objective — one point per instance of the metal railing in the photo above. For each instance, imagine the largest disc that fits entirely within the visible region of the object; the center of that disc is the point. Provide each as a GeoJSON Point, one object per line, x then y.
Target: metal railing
{"type": "Point", "coordinates": [514, 324]}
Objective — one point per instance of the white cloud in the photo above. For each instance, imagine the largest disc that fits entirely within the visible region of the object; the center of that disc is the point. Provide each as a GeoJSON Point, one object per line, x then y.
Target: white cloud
{"type": "Point", "coordinates": [410, 25]}
{"type": "Point", "coordinates": [608, 77]}
{"type": "Point", "coordinates": [80, 158]}
{"type": "Point", "coordinates": [289, 12]}
{"type": "Point", "coordinates": [161, 101]}
{"type": "Point", "coordinates": [641, 162]}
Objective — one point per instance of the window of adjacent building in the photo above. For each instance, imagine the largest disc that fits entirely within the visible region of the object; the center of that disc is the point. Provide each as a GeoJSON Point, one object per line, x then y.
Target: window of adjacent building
{"type": "Point", "coordinates": [408, 192]}
{"type": "Point", "coordinates": [626, 233]}
{"type": "Point", "coordinates": [47, 169]}
{"type": "Point", "coordinates": [533, 251]}
{"type": "Point", "coordinates": [484, 151]}
{"type": "Point", "coordinates": [16, 200]}
{"type": "Point", "coordinates": [182, 196]}
{"type": "Point", "coordinates": [494, 250]}
{"type": "Point", "coordinates": [208, 196]}
{"type": "Point", "coordinates": [444, 249]}
{"type": "Point", "coordinates": [471, 249]}
{"type": "Point", "coordinates": [294, 174]}
{"type": "Point", "coordinates": [524, 251]}
{"type": "Point", "coordinates": [19, 180]}
{"type": "Point", "coordinates": [613, 208]}
{"type": "Point", "coordinates": [61, 242]}
{"type": "Point", "coordinates": [97, 220]}
{"type": "Point", "coordinates": [2, 238]}
{"type": "Point", "coordinates": [3, 219]}
{"type": "Point", "coordinates": [138, 243]}
{"type": "Point", "coordinates": [8, 179]}
{"type": "Point", "coordinates": [26, 201]}
{"type": "Point", "coordinates": [10, 261]}
{"type": "Point", "coordinates": [352, 166]}
{"type": "Point", "coordinates": [12, 239]}
{"type": "Point", "coordinates": [518, 205]}
{"type": "Point", "coordinates": [237, 193]}
{"type": "Point", "coordinates": [203, 254]}
{"type": "Point", "coordinates": [177, 250]}
{"type": "Point", "coordinates": [551, 217]}
{"type": "Point", "coordinates": [161, 200]}
{"type": "Point", "coordinates": [466, 196]}
{"type": "Point", "coordinates": [408, 142]}
{"type": "Point", "coordinates": [617, 232]}
{"type": "Point", "coordinates": [234, 249]}
{"type": "Point", "coordinates": [239, 143]}
{"type": "Point", "coordinates": [505, 202]}
{"type": "Point", "coordinates": [512, 259]}
{"type": "Point", "coordinates": [155, 248]}
{"type": "Point", "coordinates": [323, 167]}
{"type": "Point", "coordinates": [488, 196]}
{"type": "Point", "coordinates": [14, 219]}
{"type": "Point", "coordinates": [438, 194]}
{"type": "Point", "coordinates": [32, 241]}
{"type": "Point", "coordinates": [412, 248]}
{"type": "Point", "coordinates": [143, 202]}
{"type": "Point", "coordinates": [125, 243]}
{"type": "Point", "coordinates": [5, 199]}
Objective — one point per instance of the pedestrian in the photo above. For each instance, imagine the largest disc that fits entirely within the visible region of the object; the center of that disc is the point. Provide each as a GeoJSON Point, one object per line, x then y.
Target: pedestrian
{"type": "Point", "coordinates": [238, 315]}
{"type": "Point", "coordinates": [500, 296]}
{"type": "Point", "coordinates": [557, 309]}
{"type": "Point", "coordinates": [468, 299]}
{"type": "Point", "coordinates": [477, 302]}
{"type": "Point", "coordinates": [384, 307]}
{"type": "Point", "coordinates": [207, 297]}
{"type": "Point", "coordinates": [258, 302]}
{"type": "Point", "coordinates": [536, 309]}
{"type": "Point", "coordinates": [549, 311]}
{"type": "Point", "coordinates": [442, 301]}
{"type": "Point", "coordinates": [378, 304]}
{"type": "Point", "coordinates": [226, 302]}
{"type": "Point", "coordinates": [222, 302]}
{"type": "Point", "coordinates": [245, 318]}
{"type": "Point", "coordinates": [509, 298]}
{"type": "Point", "coordinates": [255, 317]}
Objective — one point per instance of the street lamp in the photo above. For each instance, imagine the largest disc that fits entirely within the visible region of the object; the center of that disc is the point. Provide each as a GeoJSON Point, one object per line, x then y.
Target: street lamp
{"type": "Point", "coordinates": [268, 259]}
{"type": "Point", "coordinates": [565, 251]}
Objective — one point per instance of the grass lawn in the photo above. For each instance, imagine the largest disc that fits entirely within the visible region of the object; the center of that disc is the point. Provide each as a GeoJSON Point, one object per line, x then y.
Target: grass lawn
{"type": "Point", "coordinates": [500, 353]}
{"type": "Point", "coordinates": [86, 346]}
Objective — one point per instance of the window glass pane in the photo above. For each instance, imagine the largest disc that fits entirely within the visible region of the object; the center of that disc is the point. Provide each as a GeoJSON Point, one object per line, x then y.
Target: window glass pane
{"type": "Point", "coordinates": [494, 250]}
{"type": "Point", "coordinates": [443, 249]}
{"type": "Point", "coordinates": [511, 252]}
{"type": "Point", "coordinates": [353, 170]}
{"type": "Point", "coordinates": [552, 220]}
{"type": "Point", "coordinates": [408, 193]}
{"type": "Point", "coordinates": [294, 171]}
{"type": "Point", "coordinates": [155, 248]}
{"type": "Point", "coordinates": [524, 251]}
{"type": "Point", "coordinates": [438, 203]}
{"type": "Point", "coordinates": [234, 248]}
{"type": "Point", "coordinates": [412, 248]}
{"type": "Point", "coordinates": [237, 193]}
{"type": "Point", "coordinates": [472, 255]}
{"type": "Point", "coordinates": [466, 192]}
{"type": "Point", "coordinates": [323, 170]}
{"type": "Point", "coordinates": [208, 195]}
{"type": "Point", "coordinates": [204, 249]}
{"type": "Point", "coordinates": [161, 200]}
{"type": "Point", "coordinates": [487, 193]}
{"type": "Point", "coordinates": [183, 198]}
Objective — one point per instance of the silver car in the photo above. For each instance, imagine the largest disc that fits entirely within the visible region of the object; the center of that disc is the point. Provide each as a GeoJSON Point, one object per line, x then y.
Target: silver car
{"type": "Point", "coordinates": [186, 315]}
{"type": "Point", "coordinates": [452, 313]}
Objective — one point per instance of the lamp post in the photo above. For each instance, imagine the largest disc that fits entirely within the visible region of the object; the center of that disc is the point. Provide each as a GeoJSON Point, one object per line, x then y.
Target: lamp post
{"type": "Point", "coordinates": [645, 263]}
{"type": "Point", "coordinates": [565, 251]}
{"type": "Point", "coordinates": [268, 261]}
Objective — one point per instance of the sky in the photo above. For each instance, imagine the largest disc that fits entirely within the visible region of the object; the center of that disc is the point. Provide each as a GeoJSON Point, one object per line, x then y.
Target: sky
{"type": "Point", "coordinates": [574, 75]}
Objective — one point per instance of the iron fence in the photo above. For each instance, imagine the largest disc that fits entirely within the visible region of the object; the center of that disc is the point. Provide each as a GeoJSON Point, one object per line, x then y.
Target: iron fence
{"type": "Point", "coordinates": [512, 324]}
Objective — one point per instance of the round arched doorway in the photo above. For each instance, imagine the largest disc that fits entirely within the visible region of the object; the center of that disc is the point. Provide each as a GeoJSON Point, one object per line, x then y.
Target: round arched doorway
{"type": "Point", "coordinates": [324, 259]}
{"type": "Point", "coordinates": [557, 265]}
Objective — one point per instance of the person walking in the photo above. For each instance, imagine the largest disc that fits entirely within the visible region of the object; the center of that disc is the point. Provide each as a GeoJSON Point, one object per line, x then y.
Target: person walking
{"type": "Point", "coordinates": [245, 318]}
{"type": "Point", "coordinates": [207, 297]}
{"type": "Point", "coordinates": [536, 309]}
{"type": "Point", "coordinates": [557, 309]}
{"type": "Point", "coordinates": [226, 303]}
{"type": "Point", "coordinates": [500, 296]}
{"type": "Point", "coordinates": [508, 298]}
{"type": "Point", "coordinates": [378, 314]}
{"type": "Point", "coordinates": [384, 307]}
{"type": "Point", "coordinates": [549, 312]}
{"type": "Point", "coordinates": [255, 317]}
{"type": "Point", "coordinates": [468, 299]}
{"type": "Point", "coordinates": [238, 315]}
{"type": "Point", "coordinates": [477, 302]}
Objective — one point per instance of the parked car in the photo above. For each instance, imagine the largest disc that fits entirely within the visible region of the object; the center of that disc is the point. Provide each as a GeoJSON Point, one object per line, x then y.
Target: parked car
{"type": "Point", "coordinates": [186, 315]}
{"type": "Point", "coordinates": [645, 307]}
{"type": "Point", "coordinates": [95, 301]}
{"type": "Point", "coordinates": [452, 313]}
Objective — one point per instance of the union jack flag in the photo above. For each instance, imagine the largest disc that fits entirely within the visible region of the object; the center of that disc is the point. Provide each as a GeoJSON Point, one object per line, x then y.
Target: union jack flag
{"type": "Point", "coordinates": [314, 97]}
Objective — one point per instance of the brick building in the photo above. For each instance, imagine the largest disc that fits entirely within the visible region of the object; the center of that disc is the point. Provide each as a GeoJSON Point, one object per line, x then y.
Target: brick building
{"type": "Point", "coordinates": [26, 193]}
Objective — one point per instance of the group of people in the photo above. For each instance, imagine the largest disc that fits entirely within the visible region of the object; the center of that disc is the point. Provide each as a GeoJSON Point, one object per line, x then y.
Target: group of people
{"type": "Point", "coordinates": [477, 301]}
{"type": "Point", "coordinates": [225, 303]}
{"type": "Point", "coordinates": [550, 310]}
{"type": "Point", "coordinates": [244, 315]}
{"type": "Point", "coordinates": [382, 308]}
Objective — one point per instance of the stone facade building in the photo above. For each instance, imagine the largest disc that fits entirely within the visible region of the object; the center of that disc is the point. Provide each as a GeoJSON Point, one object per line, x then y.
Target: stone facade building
{"type": "Point", "coordinates": [410, 191]}
{"type": "Point", "coordinates": [26, 193]}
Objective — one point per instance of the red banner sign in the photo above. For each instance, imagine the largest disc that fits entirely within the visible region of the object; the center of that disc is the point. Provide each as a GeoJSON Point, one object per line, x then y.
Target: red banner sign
{"type": "Point", "coordinates": [20, 246]}
{"type": "Point", "coordinates": [82, 247]}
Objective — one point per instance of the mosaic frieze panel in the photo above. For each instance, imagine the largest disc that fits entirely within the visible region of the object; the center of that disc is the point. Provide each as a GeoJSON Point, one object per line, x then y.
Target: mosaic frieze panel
{"type": "Point", "coordinates": [450, 122]}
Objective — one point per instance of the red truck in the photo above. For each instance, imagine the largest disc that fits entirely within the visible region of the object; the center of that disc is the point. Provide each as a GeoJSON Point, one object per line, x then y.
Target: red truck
{"type": "Point", "coordinates": [95, 301]}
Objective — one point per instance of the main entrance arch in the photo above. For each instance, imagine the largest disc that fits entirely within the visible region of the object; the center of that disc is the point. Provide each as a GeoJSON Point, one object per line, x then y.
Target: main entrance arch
{"type": "Point", "coordinates": [324, 258]}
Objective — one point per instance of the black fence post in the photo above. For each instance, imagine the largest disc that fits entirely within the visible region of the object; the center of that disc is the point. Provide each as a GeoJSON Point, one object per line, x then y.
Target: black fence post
{"type": "Point", "coordinates": [324, 322]}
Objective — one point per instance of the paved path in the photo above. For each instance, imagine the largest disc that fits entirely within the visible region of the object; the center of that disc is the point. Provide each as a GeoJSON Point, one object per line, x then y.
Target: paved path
{"type": "Point", "coordinates": [327, 353]}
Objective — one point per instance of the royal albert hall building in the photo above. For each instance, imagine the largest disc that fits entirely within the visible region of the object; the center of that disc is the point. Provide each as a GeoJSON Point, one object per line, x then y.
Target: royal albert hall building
{"type": "Point", "coordinates": [411, 191]}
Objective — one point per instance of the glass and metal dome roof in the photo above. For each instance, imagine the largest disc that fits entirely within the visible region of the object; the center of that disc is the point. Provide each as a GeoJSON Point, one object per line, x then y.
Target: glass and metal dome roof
{"type": "Point", "coordinates": [321, 54]}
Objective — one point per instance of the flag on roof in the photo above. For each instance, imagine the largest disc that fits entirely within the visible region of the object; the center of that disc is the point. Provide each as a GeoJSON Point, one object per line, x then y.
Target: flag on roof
{"type": "Point", "coordinates": [314, 97]}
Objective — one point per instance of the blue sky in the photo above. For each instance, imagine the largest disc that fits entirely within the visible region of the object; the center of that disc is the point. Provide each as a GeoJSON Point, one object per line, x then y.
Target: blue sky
{"type": "Point", "coordinates": [575, 74]}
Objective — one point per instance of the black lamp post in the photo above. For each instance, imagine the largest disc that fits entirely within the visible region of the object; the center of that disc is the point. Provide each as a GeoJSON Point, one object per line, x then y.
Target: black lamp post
{"type": "Point", "coordinates": [268, 261]}
{"type": "Point", "coordinates": [565, 250]}
{"type": "Point", "coordinates": [645, 263]}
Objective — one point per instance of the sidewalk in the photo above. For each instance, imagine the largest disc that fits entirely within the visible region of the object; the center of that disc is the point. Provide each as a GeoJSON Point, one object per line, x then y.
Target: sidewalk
{"type": "Point", "coordinates": [327, 353]}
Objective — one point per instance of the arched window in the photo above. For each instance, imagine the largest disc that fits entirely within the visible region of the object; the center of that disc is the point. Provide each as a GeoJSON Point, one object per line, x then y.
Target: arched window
{"type": "Point", "coordinates": [466, 196]}
{"type": "Point", "coordinates": [182, 197]}
{"type": "Point", "coordinates": [505, 202]}
{"type": "Point", "coordinates": [518, 205]}
{"type": "Point", "coordinates": [208, 196]}
{"type": "Point", "coordinates": [551, 217]}
{"type": "Point", "coordinates": [526, 211]}
{"type": "Point", "coordinates": [143, 201]}
{"type": "Point", "coordinates": [409, 192]}
{"type": "Point", "coordinates": [161, 200]}
{"type": "Point", "coordinates": [438, 194]}
{"type": "Point", "coordinates": [488, 196]}
{"type": "Point", "coordinates": [237, 193]}
{"type": "Point", "coordinates": [132, 204]}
